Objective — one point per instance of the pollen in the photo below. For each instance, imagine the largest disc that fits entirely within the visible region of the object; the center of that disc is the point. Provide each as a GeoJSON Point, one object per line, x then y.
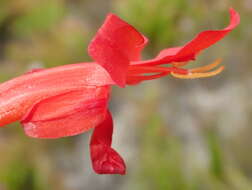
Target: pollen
{"type": "Point", "coordinates": [201, 72]}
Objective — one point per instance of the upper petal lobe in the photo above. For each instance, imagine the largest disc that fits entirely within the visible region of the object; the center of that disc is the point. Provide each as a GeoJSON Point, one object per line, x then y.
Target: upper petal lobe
{"type": "Point", "coordinates": [189, 51]}
{"type": "Point", "coordinates": [115, 45]}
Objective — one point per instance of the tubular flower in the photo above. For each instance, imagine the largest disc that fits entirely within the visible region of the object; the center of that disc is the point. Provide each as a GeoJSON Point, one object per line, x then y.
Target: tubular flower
{"type": "Point", "coordinates": [71, 99]}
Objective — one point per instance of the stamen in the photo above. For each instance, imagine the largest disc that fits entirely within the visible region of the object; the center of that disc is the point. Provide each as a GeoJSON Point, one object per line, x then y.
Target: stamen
{"type": "Point", "coordinates": [154, 69]}
{"type": "Point", "coordinates": [179, 64]}
{"type": "Point", "coordinates": [134, 79]}
{"type": "Point", "coordinates": [138, 73]}
{"type": "Point", "coordinates": [198, 75]}
{"type": "Point", "coordinates": [207, 67]}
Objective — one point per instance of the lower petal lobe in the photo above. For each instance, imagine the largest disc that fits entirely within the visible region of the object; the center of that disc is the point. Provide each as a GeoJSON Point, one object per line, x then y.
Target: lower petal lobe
{"type": "Point", "coordinates": [105, 160]}
{"type": "Point", "coordinates": [67, 114]}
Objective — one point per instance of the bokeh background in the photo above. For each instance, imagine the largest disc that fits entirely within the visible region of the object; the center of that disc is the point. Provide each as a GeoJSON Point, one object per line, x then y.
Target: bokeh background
{"type": "Point", "coordinates": [174, 134]}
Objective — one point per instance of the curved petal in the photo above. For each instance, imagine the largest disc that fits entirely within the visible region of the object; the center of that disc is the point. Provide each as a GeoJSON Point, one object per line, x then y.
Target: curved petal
{"type": "Point", "coordinates": [67, 114]}
{"type": "Point", "coordinates": [207, 38]}
{"type": "Point", "coordinates": [189, 51]}
{"type": "Point", "coordinates": [19, 94]}
{"type": "Point", "coordinates": [115, 45]}
{"type": "Point", "coordinates": [105, 160]}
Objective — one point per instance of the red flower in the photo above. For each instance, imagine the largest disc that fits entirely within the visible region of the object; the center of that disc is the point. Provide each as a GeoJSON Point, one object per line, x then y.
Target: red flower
{"type": "Point", "coordinates": [71, 99]}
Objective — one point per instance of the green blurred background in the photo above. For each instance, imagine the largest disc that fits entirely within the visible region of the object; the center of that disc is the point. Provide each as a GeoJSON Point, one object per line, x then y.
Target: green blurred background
{"type": "Point", "coordinates": [174, 134]}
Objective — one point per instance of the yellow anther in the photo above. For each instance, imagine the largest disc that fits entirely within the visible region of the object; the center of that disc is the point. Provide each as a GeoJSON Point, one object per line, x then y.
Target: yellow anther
{"type": "Point", "coordinates": [198, 75]}
{"type": "Point", "coordinates": [207, 67]}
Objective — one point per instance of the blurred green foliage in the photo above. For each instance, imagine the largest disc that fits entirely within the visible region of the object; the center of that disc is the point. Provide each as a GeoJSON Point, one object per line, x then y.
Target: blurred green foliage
{"type": "Point", "coordinates": [40, 18]}
{"type": "Point", "coordinates": [156, 19]}
{"type": "Point", "coordinates": [162, 164]}
{"type": "Point", "coordinates": [20, 174]}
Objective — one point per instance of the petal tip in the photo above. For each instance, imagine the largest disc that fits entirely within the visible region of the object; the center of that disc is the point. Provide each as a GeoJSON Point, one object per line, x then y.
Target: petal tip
{"type": "Point", "coordinates": [234, 18]}
{"type": "Point", "coordinates": [106, 160]}
{"type": "Point", "coordinates": [30, 130]}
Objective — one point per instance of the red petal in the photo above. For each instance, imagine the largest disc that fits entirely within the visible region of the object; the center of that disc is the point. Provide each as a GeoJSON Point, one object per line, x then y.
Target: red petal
{"type": "Point", "coordinates": [67, 114]}
{"type": "Point", "coordinates": [207, 38]}
{"type": "Point", "coordinates": [202, 41]}
{"type": "Point", "coordinates": [115, 45]}
{"type": "Point", "coordinates": [19, 94]}
{"type": "Point", "coordinates": [135, 79]}
{"type": "Point", "coordinates": [168, 52]}
{"type": "Point", "coordinates": [34, 70]}
{"type": "Point", "coordinates": [105, 160]}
